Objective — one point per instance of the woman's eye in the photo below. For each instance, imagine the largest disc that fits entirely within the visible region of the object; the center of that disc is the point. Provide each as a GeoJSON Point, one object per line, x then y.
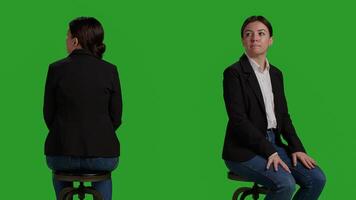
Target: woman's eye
{"type": "Point", "coordinates": [247, 34]}
{"type": "Point", "coordinates": [261, 33]}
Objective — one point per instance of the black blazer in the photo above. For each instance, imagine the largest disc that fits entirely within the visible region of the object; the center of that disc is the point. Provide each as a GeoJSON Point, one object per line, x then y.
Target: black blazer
{"type": "Point", "coordinates": [82, 107]}
{"type": "Point", "coordinates": [247, 125]}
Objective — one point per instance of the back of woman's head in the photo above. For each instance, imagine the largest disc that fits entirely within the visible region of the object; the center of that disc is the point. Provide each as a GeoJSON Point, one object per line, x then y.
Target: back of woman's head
{"type": "Point", "coordinates": [90, 34]}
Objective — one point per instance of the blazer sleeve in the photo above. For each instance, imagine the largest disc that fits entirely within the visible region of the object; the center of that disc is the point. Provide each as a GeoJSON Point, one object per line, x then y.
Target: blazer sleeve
{"type": "Point", "coordinates": [115, 102]}
{"type": "Point", "coordinates": [287, 129]}
{"type": "Point", "coordinates": [49, 105]}
{"type": "Point", "coordinates": [250, 136]}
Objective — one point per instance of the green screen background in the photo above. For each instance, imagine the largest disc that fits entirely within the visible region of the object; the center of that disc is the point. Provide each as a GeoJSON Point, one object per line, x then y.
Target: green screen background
{"type": "Point", "coordinates": [170, 56]}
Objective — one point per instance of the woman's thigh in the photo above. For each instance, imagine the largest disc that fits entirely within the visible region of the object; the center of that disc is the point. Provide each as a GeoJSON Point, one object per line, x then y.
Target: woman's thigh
{"type": "Point", "coordinates": [255, 170]}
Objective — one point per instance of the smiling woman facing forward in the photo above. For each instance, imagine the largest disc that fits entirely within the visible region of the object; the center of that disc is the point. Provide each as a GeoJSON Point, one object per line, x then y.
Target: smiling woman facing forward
{"type": "Point", "coordinates": [258, 117]}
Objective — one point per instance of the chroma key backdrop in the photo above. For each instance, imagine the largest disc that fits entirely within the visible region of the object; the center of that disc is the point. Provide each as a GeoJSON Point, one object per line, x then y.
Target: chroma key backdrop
{"type": "Point", "coordinates": [171, 56]}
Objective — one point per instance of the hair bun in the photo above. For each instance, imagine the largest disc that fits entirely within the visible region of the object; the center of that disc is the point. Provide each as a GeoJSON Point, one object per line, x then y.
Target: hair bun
{"type": "Point", "coordinates": [99, 50]}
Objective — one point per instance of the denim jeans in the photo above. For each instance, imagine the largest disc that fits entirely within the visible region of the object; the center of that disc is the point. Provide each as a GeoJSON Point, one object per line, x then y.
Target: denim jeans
{"type": "Point", "coordinates": [281, 184]}
{"type": "Point", "coordinates": [78, 163]}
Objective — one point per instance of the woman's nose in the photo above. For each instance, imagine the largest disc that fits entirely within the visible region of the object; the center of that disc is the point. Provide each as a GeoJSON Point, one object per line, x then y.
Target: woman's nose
{"type": "Point", "coordinates": [255, 37]}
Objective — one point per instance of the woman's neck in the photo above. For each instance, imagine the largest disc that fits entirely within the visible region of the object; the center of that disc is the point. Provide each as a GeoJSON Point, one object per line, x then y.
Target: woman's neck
{"type": "Point", "coordinates": [260, 60]}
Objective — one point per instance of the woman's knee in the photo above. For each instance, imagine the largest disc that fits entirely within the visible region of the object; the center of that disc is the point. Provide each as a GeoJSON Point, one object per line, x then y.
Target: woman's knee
{"type": "Point", "coordinates": [286, 184]}
{"type": "Point", "coordinates": [317, 179]}
{"type": "Point", "coordinates": [321, 179]}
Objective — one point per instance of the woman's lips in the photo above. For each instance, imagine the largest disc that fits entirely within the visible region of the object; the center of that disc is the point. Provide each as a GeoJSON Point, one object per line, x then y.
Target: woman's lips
{"type": "Point", "coordinates": [255, 46]}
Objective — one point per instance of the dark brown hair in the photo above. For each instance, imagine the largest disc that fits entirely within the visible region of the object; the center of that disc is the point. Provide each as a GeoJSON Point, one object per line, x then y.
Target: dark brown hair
{"type": "Point", "coordinates": [259, 18]}
{"type": "Point", "coordinates": [90, 34]}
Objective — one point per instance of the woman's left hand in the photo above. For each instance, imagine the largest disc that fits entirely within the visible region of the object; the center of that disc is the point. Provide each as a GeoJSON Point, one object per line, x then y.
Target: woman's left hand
{"type": "Point", "coordinates": [304, 158]}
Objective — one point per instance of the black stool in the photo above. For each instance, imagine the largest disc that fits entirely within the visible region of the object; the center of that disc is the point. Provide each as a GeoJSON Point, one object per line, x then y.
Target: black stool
{"type": "Point", "coordinates": [255, 190]}
{"type": "Point", "coordinates": [80, 176]}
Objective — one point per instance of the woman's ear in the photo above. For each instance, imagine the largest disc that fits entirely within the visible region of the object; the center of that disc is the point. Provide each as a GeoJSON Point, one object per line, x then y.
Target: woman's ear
{"type": "Point", "coordinates": [75, 42]}
{"type": "Point", "coordinates": [270, 41]}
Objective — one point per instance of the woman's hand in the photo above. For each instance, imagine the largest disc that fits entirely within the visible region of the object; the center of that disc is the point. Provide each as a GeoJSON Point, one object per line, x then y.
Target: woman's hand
{"type": "Point", "coordinates": [276, 160]}
{"type": "Point", "coordinates": [307, 161]}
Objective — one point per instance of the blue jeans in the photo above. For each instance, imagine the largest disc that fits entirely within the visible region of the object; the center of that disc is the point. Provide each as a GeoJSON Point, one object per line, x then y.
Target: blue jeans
{"type": "Point", "coordinates": [281, 184]}
{"type": "Point", "coordinates": [78, 163]}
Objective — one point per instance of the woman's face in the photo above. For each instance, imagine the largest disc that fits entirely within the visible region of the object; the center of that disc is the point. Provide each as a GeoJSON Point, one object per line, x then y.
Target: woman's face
{"type": "Point", "coordinates": [256, 39]}
{"type": "Point", "coordinates": [72, 43]}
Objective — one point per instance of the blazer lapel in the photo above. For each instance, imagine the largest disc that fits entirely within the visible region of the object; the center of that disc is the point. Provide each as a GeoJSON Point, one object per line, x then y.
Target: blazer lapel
{"type": "Point", "coordinates": [252, 79]}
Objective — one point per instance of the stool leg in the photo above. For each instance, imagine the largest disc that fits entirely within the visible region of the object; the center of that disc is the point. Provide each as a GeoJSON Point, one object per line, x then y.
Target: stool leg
{"type": "Point", "coordinates": [245, 194]}
{"type": "Point", "coordinates": [239, 191]}
{"type": "Point", "coordinates": [81, 192]}
{"type": "Point", "coordinates": [70, 195]}
{"type": "Point", "coordinates": [255, 192]}
{"type": "Point", "coordinates": [255, 196]}
{"type": "Point", "coordinates": [94, 192]}
{"type": "Point", "coordinates": [64, 192]}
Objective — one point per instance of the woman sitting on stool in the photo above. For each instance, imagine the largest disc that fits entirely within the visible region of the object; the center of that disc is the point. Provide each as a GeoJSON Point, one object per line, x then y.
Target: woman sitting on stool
{"type": "Point", "coordinates": [83, 107]}
{"type": "Point", "coordinates": [258, 117]}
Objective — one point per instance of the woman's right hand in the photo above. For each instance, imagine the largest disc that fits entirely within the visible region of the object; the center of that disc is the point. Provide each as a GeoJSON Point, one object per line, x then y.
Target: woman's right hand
{"type": "Point", "coordinates": [276, 160]}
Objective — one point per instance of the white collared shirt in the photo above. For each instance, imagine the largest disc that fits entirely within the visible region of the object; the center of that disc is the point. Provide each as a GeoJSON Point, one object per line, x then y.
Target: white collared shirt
{"type": "Point", "coordinates": [264, 80]}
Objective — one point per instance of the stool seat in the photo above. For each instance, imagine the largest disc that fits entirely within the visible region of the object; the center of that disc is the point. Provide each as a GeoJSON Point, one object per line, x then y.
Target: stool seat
{"type": "Point", "coordinates": [255, 190]}
{"type": "Point", "coordinates": [235, 177]}
{"type": "Point", "coordinates": [82, 176]}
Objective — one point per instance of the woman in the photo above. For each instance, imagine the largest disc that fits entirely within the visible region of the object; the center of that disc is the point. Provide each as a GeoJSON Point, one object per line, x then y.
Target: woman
{"type": "Point", "coordinates": [258, 117]}
{"type": "Point", "coordinates": [83, 107]}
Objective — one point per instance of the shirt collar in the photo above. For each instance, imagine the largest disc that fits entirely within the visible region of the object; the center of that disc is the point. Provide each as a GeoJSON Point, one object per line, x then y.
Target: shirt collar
{"type": "Point", "coordinates": [256, 66]}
